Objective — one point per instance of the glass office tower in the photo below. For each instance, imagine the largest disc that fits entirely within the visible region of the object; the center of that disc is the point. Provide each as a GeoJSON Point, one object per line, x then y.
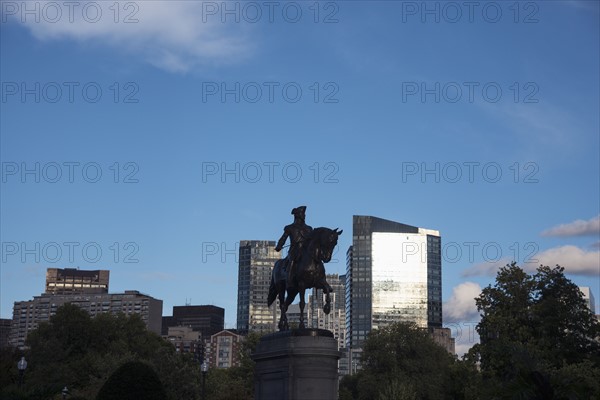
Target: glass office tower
{"type": "Point", "coordinates": [393, 273]}
{"type": "Point", "coordinates": [257, 258]}
{"type": "Point", "coordinates": [335, 321]}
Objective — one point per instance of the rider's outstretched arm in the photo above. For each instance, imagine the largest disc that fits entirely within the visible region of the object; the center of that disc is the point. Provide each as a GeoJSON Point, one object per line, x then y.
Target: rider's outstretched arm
{"type": "Point", "coordinates": [281, 241]}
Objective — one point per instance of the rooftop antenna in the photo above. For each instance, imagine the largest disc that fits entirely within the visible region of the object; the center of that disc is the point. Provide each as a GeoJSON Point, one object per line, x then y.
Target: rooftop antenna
{"type": "Point", "coordinates": [188, 302]}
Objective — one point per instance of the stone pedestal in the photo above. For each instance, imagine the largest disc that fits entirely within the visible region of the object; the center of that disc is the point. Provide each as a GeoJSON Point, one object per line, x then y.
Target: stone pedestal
{"type": "Point", "coordinates": [297, 365]}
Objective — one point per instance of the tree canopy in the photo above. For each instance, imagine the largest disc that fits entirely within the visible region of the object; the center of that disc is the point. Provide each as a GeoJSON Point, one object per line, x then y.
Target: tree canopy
{"type": "Point", "coordinates": [81, 352]}
{"type": "Point", "coordinates": [235, 382]}
{"type": "Point", "coordinates": [402, 362]}
{"type": "Point", "coordinates": [133, 380]}
{"type": "Point", "coordinates": [538, 338]}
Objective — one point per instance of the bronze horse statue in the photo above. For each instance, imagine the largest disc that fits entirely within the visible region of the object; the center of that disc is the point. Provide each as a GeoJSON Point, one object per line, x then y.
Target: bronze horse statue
{"type": "Point", "coordinates": [309, 272]}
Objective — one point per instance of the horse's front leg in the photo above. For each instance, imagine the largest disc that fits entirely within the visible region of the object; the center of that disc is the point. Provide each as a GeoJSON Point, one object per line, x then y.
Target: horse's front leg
{"type": "Point", "coordinates": [283, 325]}
{"type": "Point", "coordinates": [327, 306]}
{"type": "Point", "coordinates": [302, 304]}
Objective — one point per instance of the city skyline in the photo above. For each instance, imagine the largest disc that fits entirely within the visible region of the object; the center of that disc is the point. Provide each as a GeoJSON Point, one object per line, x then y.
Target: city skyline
{"type": "Point", "coordinates": [459, 328]}
{"type": "Point", "coordinates": [575, 228]}
{"type": "Point", "coordinates": [151, 138]}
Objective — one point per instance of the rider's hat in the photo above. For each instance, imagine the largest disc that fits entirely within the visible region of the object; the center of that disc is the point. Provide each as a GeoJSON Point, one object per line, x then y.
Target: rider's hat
{"type": "Point", "coordinates": [298, 210]}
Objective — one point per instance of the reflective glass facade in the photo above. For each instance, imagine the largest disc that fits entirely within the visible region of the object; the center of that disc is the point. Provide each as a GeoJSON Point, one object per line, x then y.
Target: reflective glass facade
{"type": "Point", "coordinates": [256, 261]}
{"type": "Point", "coordinates": [335, 321]}
{"type": "Point", "coordinates": [399, 279]}
{"type": "Point", "coordinates": [393, 273]}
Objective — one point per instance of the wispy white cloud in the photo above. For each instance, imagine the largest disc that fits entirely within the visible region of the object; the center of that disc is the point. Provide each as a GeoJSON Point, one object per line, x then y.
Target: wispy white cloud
{"type": "Point", "coordinates": [462, 348]}
{"type": "Point", "coordinates": [461, 316]}
{"type": "Point", "coordinates": [538, 127]}
{"type": "Point", "coordinates": [461, 307]}
{"type": "Point", "coordinates": [575, 228]}
{"type": "Point", "coordinates": [575, 261]}
{"type": "Point", "coordinates": [172, 35]}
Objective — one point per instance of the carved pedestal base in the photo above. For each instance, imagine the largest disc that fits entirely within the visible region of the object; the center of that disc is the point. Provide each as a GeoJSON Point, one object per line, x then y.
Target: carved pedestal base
{"type": "Point", "coordinates": [297, 365]}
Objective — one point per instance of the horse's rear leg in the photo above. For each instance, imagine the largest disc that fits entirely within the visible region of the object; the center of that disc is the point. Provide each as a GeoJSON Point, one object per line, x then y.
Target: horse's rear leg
{"type": "Point", "coordinates": [283, 324]}
{"type": "Point", "coordinates": [291, 295]}
{"type": "Point", "coordinates": [302, 304]}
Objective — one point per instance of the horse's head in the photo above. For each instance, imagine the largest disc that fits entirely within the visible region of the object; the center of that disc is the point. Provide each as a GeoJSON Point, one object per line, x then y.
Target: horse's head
{"type": "Point", "coordinates": [324, 241]}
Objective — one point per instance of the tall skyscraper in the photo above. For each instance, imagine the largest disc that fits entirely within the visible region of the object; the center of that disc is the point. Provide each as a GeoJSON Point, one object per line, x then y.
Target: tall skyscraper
{"type": "Point", "coordinates": [335, 321]}
{"type": "Point", "coordinates": [256, 261]}
{"type": "Point", "coordinates": [393, 273]}
{"type": "Point", "coordinates": [76, 281]}
{"type": "Point", "coordinates": [589, 298]}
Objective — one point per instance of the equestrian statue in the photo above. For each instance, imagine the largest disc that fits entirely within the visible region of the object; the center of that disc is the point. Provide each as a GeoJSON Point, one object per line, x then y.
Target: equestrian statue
{"type": "Point", "coordinates": [303, 267]}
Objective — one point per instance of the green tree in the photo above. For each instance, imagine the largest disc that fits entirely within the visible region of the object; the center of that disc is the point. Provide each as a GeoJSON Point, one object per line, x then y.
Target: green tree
{"type": "Point", "coordinates": [403, 362]}
{"type": "Point", "coordinates": [178, 373]}
{"type": "Point", "coordinates": [58, 352]}
{"type": "Point", "coordinates": [398, 390]}
{"type": "Point", "coordinates": [565, 328]}
{"type": "Point", "coordinates": [235, 383]}
{"type": "Point", "coordinates": [80, 352]}
{"type": "Point", "coordinates": [222, 384]}
{"type": "Point", "coordinates": [9, 357]}
{"type": "Point", "coordinates": [539, 340]}
{"type": "Point", "coordinates": [349, 387]}
{"type": "Point", "coordinates": [246, 369]}
{"type": "Point", "coordinates": [133, 380]}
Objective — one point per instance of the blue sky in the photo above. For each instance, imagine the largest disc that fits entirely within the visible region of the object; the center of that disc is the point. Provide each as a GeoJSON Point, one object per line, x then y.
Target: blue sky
{"type": "Point", "coordinates": [341, 106]}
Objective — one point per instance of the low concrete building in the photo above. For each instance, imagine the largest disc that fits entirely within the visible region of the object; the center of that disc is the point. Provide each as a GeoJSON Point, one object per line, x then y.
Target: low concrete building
{"type": "Point", "coordinates": [28, 314]}
{"type": "Point", "coordinates": [4, 332]}
{"type": "Point", "coordinates": [185, 339]}
{"type": "Point", "coordinates": [443, 337]}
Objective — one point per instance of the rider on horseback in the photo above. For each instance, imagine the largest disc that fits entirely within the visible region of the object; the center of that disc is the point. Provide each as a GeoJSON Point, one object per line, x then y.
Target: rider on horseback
{"type": "Point", "coordinates": [298, 233]}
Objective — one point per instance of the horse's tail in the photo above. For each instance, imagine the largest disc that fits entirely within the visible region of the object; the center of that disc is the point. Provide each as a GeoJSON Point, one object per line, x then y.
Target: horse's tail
{"type": "Point", "coordinates": [273, 288]}
{"type": "Point", "coordinates": [272, 293]}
